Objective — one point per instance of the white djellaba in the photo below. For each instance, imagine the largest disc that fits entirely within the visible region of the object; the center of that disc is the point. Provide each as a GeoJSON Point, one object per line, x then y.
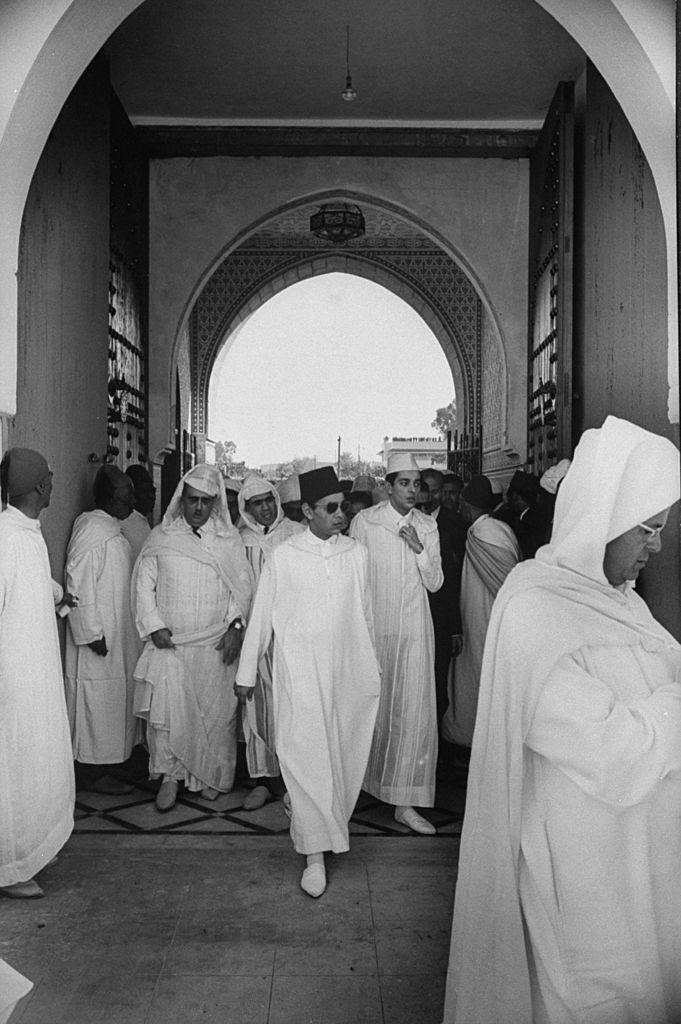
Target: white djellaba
{"type": "Point", "coordinates": [568, 897]}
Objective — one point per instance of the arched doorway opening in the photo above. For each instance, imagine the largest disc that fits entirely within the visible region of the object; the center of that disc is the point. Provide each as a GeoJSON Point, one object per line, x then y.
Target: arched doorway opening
{"type": "Point", "coordinates": [397, 252]}
{"type": "Point", "coordinates": [334, 363]}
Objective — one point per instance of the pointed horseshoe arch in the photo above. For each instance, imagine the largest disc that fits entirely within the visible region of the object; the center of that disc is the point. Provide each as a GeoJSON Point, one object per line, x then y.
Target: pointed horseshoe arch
{"type": "Point", "coordinates": [402, 256]}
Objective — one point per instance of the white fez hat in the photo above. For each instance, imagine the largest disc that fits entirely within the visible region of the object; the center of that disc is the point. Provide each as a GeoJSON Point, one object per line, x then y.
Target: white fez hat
{"type": "Point", "coordinates": [289, 489]}
{"type": "Point", "coordinates": [400, 462]}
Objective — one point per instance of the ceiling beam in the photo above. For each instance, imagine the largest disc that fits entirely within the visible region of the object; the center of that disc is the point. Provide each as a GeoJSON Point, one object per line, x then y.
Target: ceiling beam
{"type": "Point", "coordinates": [170, 141]}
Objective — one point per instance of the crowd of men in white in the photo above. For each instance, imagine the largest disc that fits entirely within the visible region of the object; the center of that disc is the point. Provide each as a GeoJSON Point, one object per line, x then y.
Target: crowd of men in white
{"type": "Point", "coordinates": [339, 630]}
{"type": "Point", "coordinates": [304, 629]}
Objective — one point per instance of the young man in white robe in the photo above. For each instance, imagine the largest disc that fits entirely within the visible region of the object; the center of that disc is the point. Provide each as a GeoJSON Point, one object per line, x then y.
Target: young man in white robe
{"type": "Point", "coordinates": [192, 590]}
{"type": "Point", "coordinates": [568, 896]}
{"type": "Point", "coordinates": [36, 764]}
{"type": "Point", "coordinates": [102, 645]}
{"type": "Point", "coordinates": [492, 550]}
{"type": "Point", "coordinates": [404, 566]}
{"type": "Point", "coordinates": [313, 602]}
{"type": "Point", "coordinates": [263, 527]}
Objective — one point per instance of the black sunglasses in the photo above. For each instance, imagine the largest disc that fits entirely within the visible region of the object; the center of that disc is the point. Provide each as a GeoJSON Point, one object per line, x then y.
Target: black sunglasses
{"type": "Point", "coordinates": [333, 506]}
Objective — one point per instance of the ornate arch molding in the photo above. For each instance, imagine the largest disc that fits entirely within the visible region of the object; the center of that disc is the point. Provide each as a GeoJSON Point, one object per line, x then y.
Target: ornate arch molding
{"type": "Point", "coordinates": [427, 278]}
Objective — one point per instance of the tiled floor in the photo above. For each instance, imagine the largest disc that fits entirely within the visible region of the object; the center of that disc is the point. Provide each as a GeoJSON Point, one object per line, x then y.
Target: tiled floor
{"type": "Point", "coordinates": [199, 917]}
{"type": "Point", "coordinates": [192, 815]}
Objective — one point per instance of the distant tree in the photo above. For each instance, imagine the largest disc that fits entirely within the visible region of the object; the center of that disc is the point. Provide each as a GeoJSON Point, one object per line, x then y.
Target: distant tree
{"type": "Point", "coordinates": [445, 418]}
{"type": "Point", "coordinates": [350, 467]}
{"type": "Point", "coordinates": [304, 464]}
{"type": "Point", "coordinates": [300, 464]}
{"type": "Point", "coordinates": [283, 470]}
{"type": "Point", "coordinates": [224, 456]}
{"type": "Point", "coordinates": [375, 469]}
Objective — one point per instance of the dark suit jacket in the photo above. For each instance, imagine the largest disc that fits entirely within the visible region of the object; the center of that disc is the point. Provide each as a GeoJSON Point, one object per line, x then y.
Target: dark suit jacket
{"type": "Point", "coordinates": [444, 603]}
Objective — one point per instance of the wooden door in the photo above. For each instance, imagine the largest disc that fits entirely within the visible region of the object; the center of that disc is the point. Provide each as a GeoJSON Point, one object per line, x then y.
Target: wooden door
{"type": "Point", "coordinates": [549, 421]}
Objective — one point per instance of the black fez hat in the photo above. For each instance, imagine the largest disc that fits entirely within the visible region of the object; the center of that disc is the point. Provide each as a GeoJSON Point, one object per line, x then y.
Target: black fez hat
{"type": "Point", "coordinates": [525, 484]}
{"type": "Point", "coordinates": [318, 483]}
{"type": "Point", "coordinates": [478, 493]}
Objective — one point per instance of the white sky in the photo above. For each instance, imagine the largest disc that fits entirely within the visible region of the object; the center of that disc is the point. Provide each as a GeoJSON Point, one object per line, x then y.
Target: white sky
{"type": "Point", "coordinates": [334, 355]}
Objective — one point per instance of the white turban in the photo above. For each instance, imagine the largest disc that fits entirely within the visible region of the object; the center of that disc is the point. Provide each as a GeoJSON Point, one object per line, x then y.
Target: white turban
{"type": "Point", "coordinates": [209, 481]}
{"type": "Point", "coordinates": [205, 478]}
{"type": "Point", "coordinates": [252, 485]}
{"type": "Point", "coordinates": [255, 484]}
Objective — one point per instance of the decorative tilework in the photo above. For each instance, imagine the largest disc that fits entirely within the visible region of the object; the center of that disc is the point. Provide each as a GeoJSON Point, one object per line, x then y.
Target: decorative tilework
{"type": "Point", "coordinates": [493, 385]}
{"type": "Point", "coordinates": [136, 814]}
{"type": "Point", "coordinates": [236, 287]}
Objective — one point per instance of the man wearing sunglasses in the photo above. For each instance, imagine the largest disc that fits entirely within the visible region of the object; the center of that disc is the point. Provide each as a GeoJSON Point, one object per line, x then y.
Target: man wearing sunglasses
{"type": "Point", "coordinates": [404, 566]}
{"type": "Point", "coordinates": [313, 599]}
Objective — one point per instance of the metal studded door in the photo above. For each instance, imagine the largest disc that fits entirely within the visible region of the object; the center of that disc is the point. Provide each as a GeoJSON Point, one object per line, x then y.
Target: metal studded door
{"type": "Point", "coordinates": [549, 423]}
{"type": "Point", "coordinates": [126, 412]}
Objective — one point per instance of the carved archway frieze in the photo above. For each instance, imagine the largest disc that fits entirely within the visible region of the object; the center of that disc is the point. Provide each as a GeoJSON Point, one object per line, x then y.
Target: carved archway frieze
{"type": "Point", "coordinates": [233, 298]}
{"type": "Point", "coordinates": [395, 253]}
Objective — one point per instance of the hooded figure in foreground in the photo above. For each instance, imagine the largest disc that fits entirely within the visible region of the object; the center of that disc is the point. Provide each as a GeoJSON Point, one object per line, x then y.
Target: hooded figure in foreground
{"type": "Point", "coordinates": [192, 590]}
{"type": "Point", "coordinates": [568, 897]}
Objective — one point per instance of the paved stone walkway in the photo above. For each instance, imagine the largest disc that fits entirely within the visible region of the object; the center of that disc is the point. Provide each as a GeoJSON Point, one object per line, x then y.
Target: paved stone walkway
{"type": "Point", "coordinates": [170, 929]}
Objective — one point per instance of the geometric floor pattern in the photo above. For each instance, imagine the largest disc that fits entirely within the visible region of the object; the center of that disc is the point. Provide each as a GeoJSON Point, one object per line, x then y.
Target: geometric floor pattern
{"type": "Point", "coordinates": [136, 813]}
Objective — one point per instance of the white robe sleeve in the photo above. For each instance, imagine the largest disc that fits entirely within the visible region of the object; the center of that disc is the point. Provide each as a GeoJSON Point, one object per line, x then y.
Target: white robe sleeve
{"type": "Point", "coordinates": [614, 751]}
{"type": "Point", "coordinates": [429, 561]}
{"type": "Point", "coordinates": [81, 580]}
{"type": "Point", "coordinates": [57, 592]}
{"type": "Point", "coordinates": [259, 630]}
{"type": "Point", "coordinates": [147, 618]}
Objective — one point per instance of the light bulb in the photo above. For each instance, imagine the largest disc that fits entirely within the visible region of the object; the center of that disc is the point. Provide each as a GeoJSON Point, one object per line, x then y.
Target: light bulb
{"type": "Point", "coordinates": [349, 93]}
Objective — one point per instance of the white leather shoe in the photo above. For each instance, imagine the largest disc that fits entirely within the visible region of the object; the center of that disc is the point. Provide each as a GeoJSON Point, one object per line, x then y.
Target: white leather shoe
{"type": "Point", "coordinates": [313, 881]}
{"type": "Point", "coordinates": [413, 820]}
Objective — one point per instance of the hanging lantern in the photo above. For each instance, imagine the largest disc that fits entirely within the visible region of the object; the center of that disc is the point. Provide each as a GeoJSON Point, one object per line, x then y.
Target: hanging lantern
{"type": "Point", "coordinates": [337, 222]}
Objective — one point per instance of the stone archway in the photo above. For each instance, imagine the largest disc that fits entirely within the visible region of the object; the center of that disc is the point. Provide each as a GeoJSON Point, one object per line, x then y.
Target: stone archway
{"type": "Point", "coordinates": [328, 264]}
{"type": "Point", "coordinates": [44, 52]}
{"type": "Point", "coordinates": [396, 254]}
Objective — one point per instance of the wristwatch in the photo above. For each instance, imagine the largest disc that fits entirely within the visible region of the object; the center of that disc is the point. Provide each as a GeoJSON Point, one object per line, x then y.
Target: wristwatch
{"type": "Point", "coordinates": [238, 624]}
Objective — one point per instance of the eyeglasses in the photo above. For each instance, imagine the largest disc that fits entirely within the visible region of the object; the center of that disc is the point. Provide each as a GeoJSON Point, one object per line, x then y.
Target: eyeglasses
{"type": "Point", "coordinates": [333, 506]}
{"type": "Point", "coordinates": [650, 531]}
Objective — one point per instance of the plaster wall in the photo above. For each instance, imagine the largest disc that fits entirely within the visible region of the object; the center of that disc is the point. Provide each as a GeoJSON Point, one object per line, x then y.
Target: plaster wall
{"type": "Point", "coordinates": [63, 319]}
{"type": "Point", "coordinates": [202, 208]}
{"type": "Point", "coordinates": [620, 356]}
